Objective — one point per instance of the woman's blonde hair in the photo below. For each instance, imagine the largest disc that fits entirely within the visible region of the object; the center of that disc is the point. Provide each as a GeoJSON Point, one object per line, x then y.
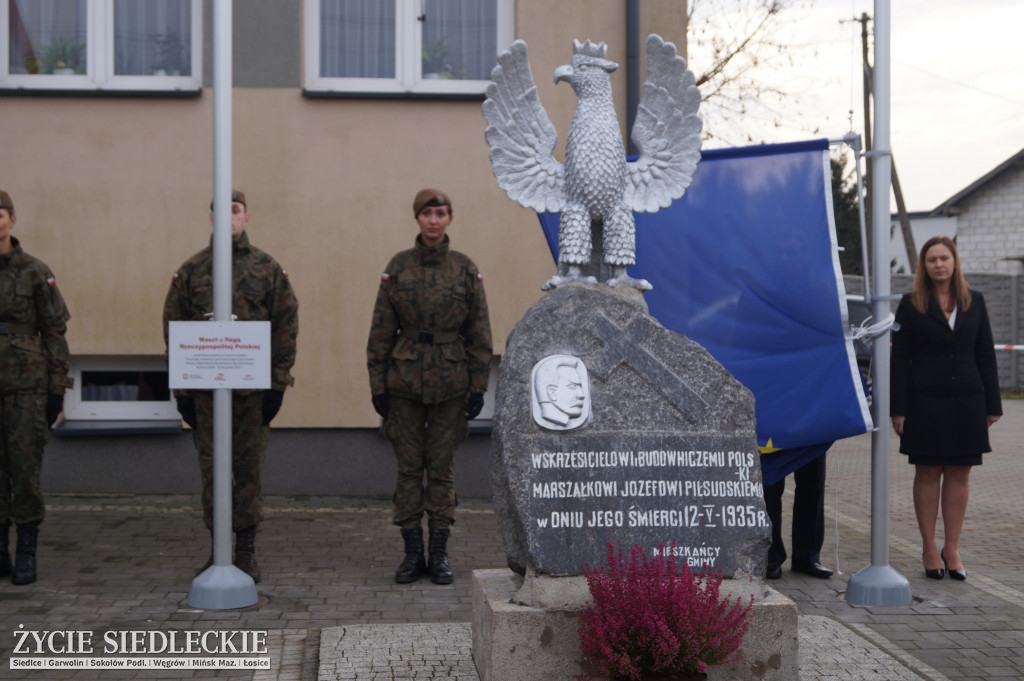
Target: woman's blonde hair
{"type": "Point", "coordinates": [924, 287]}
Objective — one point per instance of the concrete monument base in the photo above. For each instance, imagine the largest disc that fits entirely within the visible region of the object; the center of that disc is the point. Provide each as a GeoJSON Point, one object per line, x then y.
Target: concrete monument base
{"type": "Point", "coordinates": [514, 642]}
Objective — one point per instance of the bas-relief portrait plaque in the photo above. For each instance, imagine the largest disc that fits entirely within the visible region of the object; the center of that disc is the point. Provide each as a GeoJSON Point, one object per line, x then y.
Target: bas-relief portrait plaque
{"type": "Point", "coordinates": [560, 393]}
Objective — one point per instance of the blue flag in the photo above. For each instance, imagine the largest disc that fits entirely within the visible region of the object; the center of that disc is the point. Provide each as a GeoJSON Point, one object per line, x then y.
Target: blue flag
{"type": "Point", "coordinates": [746, 264]}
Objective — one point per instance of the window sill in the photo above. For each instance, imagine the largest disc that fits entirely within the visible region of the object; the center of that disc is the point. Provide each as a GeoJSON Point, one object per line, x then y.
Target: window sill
{"type": "Point", "coordinates": [154, 427]}
{"type": "Point", "coordinates": [338, 94]}
{"type": "Point", "coordinates": [91, 92]}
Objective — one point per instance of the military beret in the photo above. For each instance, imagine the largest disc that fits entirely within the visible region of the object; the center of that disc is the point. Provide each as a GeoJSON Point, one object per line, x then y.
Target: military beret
{"type": "Point", "coordinates": [235, 196]}
{"type": "Point", "coordinates": [6, 202]}
{"type": "Point", "coordinates": [429, 197]}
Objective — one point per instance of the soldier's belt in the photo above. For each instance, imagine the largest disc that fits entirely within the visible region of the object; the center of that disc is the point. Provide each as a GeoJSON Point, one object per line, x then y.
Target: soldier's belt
{"type": "Point", "coordinates": [17, 327]}
{"type": "Point", "coordinates": [431, 337]}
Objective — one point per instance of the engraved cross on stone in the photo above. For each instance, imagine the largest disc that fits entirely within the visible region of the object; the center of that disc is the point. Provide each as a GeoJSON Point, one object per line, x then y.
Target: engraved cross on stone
{"type": "Point", "coordinates": [624, 346]}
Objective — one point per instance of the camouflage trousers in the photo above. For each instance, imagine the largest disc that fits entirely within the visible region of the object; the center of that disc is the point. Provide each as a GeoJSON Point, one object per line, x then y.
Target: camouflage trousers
{"type": "Point", "coordinates": [23, 433]}
{"type": "Point", "coordinates": [249, 438]}
{"type": "Point", "coordinates": [425, 438]}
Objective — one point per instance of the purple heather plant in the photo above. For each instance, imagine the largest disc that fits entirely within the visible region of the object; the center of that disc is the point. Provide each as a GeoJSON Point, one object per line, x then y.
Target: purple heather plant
{"type": "Point", "coordinates": [648, 616]}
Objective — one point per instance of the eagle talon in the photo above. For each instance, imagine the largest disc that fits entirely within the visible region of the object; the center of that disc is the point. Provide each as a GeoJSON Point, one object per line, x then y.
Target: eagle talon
{"type": "Point", "coordinates": [573, 275]}
{"type": "Point", "coordinates": [623, 278]}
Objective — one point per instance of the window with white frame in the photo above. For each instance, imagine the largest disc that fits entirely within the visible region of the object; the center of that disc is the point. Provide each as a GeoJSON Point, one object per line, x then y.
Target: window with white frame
{"type": "Point", "coordinates": [404, 46]}
{"type": "Point", "coordinates": [101, 44]}
{"type": "Point", "coordinates": [119, 388]}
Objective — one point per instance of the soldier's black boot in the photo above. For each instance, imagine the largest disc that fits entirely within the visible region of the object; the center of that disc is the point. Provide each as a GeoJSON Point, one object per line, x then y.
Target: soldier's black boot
{"type": "Point", "coordinates": [245, 553]}
{"type": "Point", "coordinates": [5, 551]}
{"type": "Point", "coordinates": [209, 561]}
{"type": "Point", "coordinates": [25, 557]}
{"type": "Point", "coordinates": [440, 573]}
{"type": "Point", "coordinates": [413, 564]}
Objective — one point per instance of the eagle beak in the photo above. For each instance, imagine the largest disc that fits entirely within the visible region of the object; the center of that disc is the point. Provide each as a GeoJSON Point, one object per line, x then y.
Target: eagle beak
{"type": "Point", "coordinates": [563, 73]}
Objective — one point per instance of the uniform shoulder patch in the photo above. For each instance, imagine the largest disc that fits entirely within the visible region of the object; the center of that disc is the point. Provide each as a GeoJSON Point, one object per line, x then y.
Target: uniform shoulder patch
{"type": "Point", "coordinates": [479, 276]}
{"type": "Point", "coordinates": [50, 281]}
{"type": "Point", "coordinates": [174, 277]}
{"type": "Point", "coordinates": [284, 272]}
{"type": "Point", "coordinates": [385, 276]}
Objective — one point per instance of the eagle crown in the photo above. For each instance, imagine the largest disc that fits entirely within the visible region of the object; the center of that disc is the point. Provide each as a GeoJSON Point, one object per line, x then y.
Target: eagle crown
{"type": "Point", "coordinates": [589, 54]}
{"type": "Point", "coordinates": [589, 49]}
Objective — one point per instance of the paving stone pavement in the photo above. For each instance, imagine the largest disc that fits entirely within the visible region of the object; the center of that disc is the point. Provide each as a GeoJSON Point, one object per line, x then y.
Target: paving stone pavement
{"type": "Point", "coordinates": [119, 563]}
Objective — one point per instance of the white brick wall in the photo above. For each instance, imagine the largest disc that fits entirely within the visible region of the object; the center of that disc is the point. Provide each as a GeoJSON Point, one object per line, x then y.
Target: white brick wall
{"type": "Point", "coordinates": [991, 227]}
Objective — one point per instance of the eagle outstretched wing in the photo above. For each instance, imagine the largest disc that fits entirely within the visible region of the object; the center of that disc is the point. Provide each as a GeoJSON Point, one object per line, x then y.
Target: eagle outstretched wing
{"type": "Point", "coordinates": [521, 136]}
{"type": "Point", "coordinates": [666, 131]}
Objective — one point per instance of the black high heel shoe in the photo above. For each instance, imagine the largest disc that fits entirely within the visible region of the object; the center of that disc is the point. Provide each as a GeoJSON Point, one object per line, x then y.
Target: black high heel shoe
{"type": "Point", "coordinates": [959, 575]}
{"type": "Point", "coordinates": [937, 573]}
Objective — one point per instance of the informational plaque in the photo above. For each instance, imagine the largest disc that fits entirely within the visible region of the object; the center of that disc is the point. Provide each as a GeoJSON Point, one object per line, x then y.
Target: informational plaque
{"type": "Point", "coordinates": [210, 355]}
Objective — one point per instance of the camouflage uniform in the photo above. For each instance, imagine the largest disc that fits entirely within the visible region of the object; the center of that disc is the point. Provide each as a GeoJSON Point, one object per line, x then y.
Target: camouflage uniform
{"type": "Point", "coordinates": [260, 292]}
{"type": "Point", "coordinates": [429, 347]}
{"type": "Point", "coordinates": [33, 363]}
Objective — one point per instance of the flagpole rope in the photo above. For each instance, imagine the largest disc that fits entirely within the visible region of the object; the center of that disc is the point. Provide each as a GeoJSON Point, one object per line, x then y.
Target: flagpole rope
{"type": "Point", "coordinates": [869, 330]}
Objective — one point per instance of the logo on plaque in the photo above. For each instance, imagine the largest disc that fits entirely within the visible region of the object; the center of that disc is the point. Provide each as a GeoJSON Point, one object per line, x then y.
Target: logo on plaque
{"type": "Point", "coordinates": [560, 393]}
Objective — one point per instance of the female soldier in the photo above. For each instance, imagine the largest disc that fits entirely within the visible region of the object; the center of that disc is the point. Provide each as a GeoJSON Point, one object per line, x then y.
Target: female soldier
{"type": "Point", "coordinates": [429, 357]}
{"type": "Point", "coordinates": [33, 377]}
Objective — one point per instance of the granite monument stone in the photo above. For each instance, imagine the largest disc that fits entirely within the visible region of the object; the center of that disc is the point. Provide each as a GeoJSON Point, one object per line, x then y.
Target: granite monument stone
{"type": "Point", "coordinates": [646, 440]}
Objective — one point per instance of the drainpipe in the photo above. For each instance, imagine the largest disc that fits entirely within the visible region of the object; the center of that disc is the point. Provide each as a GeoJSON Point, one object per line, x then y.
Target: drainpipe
{"type": "Point", "coordinates": [632, 70]}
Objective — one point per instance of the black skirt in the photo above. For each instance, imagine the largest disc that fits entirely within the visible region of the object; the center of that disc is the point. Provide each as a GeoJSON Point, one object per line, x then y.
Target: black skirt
{"type": "Point", "coordinates": [918, 460]}
{"type": "Point", "coordinates": [945, 431]}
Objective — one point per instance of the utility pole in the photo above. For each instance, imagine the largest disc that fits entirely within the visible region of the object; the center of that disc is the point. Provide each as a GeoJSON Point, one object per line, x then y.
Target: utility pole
{"type": "Point", "coordinates": [867, 126]}
{"type": "Point", "coordinates": [901, 208]}
{"type": "Point", "coordinates": [901, 211]}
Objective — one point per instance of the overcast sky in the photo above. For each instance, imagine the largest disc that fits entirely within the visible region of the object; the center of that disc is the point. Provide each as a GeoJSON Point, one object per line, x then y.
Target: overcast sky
{"type": "Point", "coordinates": [957, 86]}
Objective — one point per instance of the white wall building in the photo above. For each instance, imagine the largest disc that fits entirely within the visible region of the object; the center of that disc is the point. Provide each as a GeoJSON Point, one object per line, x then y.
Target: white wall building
{"type": "Point", "coordinates": [990, 219]}
{"type": "Point", "coordinates": [985, 218]}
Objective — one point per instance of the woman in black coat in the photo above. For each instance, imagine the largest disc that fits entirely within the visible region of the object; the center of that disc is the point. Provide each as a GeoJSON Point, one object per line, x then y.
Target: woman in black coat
{"type": "Point", "coordinates": [945, 395]}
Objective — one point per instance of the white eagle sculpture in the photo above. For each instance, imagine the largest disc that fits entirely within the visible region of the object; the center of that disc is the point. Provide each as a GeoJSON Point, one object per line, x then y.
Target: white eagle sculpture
{"type": "Point", "coordinates": [596, 190]}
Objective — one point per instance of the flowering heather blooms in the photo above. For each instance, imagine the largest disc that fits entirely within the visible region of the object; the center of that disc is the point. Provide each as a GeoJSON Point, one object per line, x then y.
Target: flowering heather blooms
{"type": "Point", "coordinates": [648, 616]}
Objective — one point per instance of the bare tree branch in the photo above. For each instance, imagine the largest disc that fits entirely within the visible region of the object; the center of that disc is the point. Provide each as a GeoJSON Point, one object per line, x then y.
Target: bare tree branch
{"type": "Point", "coordinates": [735, 45]}
{"type": "Point", "coordinates": [726, 53]}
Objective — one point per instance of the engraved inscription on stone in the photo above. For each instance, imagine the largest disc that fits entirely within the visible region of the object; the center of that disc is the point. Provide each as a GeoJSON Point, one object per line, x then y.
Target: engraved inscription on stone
{"type": "Point", "coordinates": [560, 393]}
{"type": "Point", "coordinates": [700, 494]}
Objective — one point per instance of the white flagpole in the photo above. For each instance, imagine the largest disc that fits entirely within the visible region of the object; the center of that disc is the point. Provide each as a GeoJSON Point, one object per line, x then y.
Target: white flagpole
{"type": "Point", "coordinates": [222, 586]}
{"type": "Point", "coordinates": [879, 583]}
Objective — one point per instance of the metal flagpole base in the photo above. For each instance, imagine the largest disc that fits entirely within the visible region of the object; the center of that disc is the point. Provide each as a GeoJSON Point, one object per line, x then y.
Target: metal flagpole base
{"type": "Point", "coordinates": [878, 585]}
{"type": "Point", "coordinates": [222, 587]}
